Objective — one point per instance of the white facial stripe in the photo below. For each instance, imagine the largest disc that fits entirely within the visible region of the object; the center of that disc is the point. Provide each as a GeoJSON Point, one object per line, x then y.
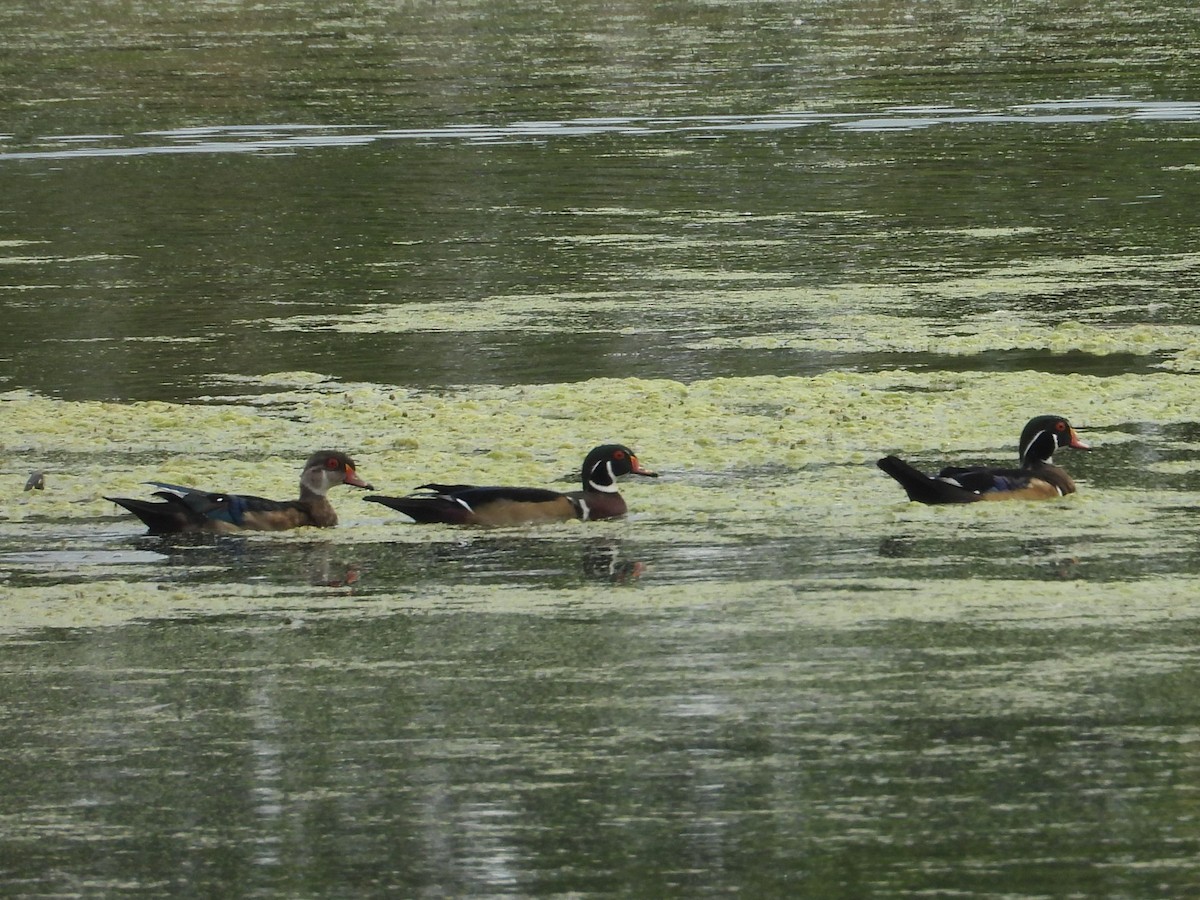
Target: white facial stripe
{"type": "Point", "coordinates": [1033, 440]}
{"type": "Point", "coordinates": [611, 487]}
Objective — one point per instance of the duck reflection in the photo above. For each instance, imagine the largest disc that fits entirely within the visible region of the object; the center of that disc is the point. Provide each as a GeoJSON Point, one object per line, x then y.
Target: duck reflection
{"type": "Point", "coordinates": [210, 558]}
{"type": "Point", "coordinates": [976, 555]}
{"type": "Point", "coordinates": [205, 558]}
{"type": "Point", "coordinates": [605, 562]}
{"type": "Point", "coordinates": [897, 547]}
{"type": "Point", "coordinates": [510, 560]}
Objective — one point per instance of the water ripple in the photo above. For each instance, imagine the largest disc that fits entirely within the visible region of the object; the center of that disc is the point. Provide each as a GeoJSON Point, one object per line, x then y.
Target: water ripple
{"type": "Point", "coordinates": [288, 138]}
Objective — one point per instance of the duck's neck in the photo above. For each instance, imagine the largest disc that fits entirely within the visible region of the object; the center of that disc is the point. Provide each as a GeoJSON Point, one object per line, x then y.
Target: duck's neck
{"type": "Point", "coordinates": [600, 479]}
{"type": "Point", "coordinates": [314, 485]}
{"type": "Point", "coordinates": [1039, 451]}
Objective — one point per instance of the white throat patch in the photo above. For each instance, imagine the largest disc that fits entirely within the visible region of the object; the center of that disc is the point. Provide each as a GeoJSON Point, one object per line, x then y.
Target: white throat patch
{"type": "Point", "coordinates": [611, 487]}
{"type": "Point", "coordinates": [319, 482]}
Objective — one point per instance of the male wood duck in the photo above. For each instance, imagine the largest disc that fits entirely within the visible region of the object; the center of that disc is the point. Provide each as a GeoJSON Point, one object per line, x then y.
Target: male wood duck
{"type": "Point", "coordinates": [188, 509]}
{"type": "Point", "coordinates": [466, 504]}
{"type": "Point", "coordinates": [1038, 478]}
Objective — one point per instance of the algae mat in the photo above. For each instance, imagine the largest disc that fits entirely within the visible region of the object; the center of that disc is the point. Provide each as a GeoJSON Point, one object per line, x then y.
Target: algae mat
{"type": "Point", "coordinates": [768, 491]}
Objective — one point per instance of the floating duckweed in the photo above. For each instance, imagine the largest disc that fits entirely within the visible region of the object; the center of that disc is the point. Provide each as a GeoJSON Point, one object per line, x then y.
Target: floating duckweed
{"type": "Point", "coordinates": [745, 461]}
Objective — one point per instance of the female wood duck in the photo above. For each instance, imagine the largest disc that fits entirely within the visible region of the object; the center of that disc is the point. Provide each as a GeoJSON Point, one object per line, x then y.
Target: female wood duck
{"type": "Point", "coordinates": [466, 504]}
{"type": "Point", "coordinates": [1038, 478]}
{"type": "Point", "coordinates": [188, 509]}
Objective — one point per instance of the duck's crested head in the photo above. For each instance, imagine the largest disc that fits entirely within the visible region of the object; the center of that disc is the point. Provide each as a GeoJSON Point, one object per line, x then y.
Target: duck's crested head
{"type": "Point", "coordinates": [1045, 434]}
{"type": "Point", "coordinates": [327, 468]}
{"type": "Point", "coordinates": [608, 462]}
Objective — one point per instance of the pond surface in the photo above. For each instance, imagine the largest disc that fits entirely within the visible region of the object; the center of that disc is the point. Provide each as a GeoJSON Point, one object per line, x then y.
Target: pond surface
{"type": "Point", "coordinates": [763, 244]}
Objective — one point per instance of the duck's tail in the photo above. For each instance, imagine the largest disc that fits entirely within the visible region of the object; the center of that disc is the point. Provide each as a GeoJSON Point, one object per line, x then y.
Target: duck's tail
{"type": "Point", "coordinates": [924, 488]}
{"type": "Point", "coordinates": [426, 510]}
{"type": "Point", "coordinates": [169, 517]}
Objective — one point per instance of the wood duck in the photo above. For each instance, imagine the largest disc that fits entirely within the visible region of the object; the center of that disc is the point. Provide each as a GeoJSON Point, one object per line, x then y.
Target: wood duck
{"type": "Point", "coordinates": [188, 509]}
{"type": "Point", "coordinates": [1038, 478]}
{"type": "Point", "coordinates": [466, 504]}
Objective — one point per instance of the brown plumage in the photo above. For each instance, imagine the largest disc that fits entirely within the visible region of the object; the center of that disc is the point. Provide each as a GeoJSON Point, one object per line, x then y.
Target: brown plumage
{"type": "Point", "coordinates": [188, 509]}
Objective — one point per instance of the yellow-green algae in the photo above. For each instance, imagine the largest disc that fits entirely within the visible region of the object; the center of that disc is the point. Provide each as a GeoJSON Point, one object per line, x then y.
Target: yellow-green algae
{"type": "Point", "coordinates": [838, 605]}
{"type": "Point", "coordinates": [743, 460]}
{"type": "Point", "coordinates": [976, 334]}
{"type": "Point", "coordinates": [865, 317]}
{"type": "Point", "coordinates": [829, 426]}
{"type": "Point", "coordinates": [539, 433]}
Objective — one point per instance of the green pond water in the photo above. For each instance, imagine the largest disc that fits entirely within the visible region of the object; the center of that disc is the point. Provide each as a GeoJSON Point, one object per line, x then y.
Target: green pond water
{"type": "Point", "coordinates": [761, 243]}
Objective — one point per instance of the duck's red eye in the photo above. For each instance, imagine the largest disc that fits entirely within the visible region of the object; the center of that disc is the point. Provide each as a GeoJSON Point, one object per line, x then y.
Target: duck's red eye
{"type": "Point", "coordinates": [333, 463]}
{"type": "Point", "coordinates": [1060, 426]}
{"type": "Point", "coordinates": [618, 454]}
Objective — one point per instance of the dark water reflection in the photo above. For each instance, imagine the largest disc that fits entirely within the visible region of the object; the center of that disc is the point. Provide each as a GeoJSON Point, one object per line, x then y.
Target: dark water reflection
{"type": "Point", "coordinates": [165, 279]}
{"type": "Point", "coordinates": [452, 568]}
{"type": "Point", "coordinates": [590, 751]}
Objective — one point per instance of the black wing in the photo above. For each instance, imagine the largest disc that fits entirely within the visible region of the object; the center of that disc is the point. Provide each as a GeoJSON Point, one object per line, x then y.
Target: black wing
{"type": "Point", "coordinates": [983, 481]}
{"type": "Point", "coordinates": [231, 508]}
{"type": "Point", "coordinates": [923, 488]}
{"type": "Point", "coordinates": [481, 496]}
